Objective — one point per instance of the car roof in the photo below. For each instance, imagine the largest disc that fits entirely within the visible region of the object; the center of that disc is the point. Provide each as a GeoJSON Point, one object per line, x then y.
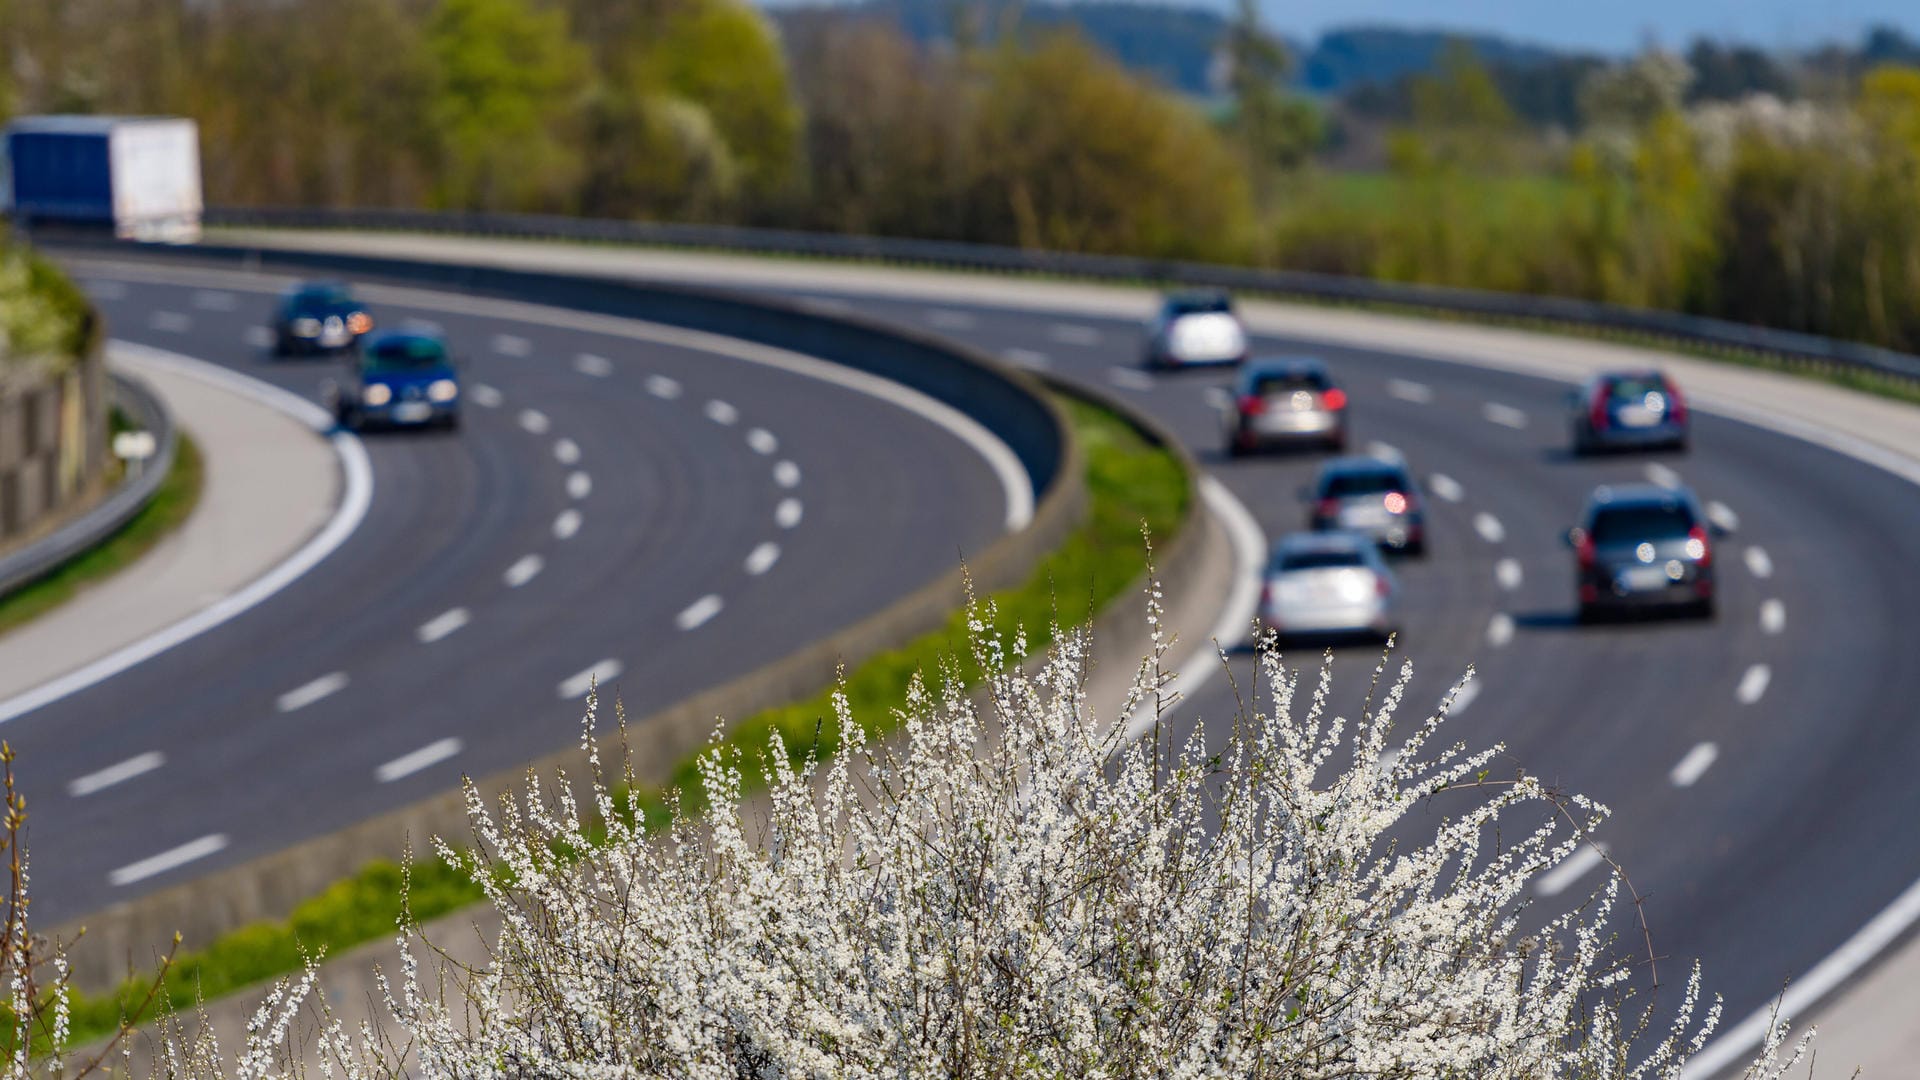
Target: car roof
{"type": "Point", "coordinates": [1330, 541]}
{"type": "Point", "coordinates": [1653, 374]}
{"type": "Point", "coordinates": [1282, 365]}
{"type": "Point", "coordinates": [1361, 463]}
{"type": "Point", "coordinates": [301, 288]}
{"type": "Point", "coordinates": [1637, 495]}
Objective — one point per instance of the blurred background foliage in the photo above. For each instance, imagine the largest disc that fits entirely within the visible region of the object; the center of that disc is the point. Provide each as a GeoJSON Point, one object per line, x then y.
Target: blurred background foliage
{"type": "Point", "coordinates": [1765, 186]}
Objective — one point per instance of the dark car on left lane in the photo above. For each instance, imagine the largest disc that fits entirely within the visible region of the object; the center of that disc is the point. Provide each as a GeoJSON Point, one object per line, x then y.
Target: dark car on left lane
{"type": "Point", "coordinates": [319, 317]}
{"type": "Point", "coordinates": [399, 380]}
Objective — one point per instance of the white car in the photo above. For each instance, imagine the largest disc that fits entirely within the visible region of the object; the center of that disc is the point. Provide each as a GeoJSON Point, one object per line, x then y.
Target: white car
{"type": "Point", "coordinates": [1329, 584]}
{"type": "Point", "coordinates": [1195, 329]}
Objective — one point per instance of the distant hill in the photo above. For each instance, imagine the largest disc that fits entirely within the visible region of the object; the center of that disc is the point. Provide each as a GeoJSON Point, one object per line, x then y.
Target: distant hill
{"type": "Point", "coordinates": [1344, 59]}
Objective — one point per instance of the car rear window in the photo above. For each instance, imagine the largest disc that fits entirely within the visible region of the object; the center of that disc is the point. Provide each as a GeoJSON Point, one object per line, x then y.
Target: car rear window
{"type": "Point", "coordinates": [1630, 390]}
{"type": "Point", "coordinates": [1277, 385]}
{"type": "Point", "coordinates": [409, 354]}
{"type": "Point", "coordinates": [1370, 482]}
{"type": "Point", "coordinates": [1198, 305]}
{"type": "Point", "coordinates": [323, 297]}
{"type": "Point", "coordinates": [1631, 524]}
{"type": "Point", "coordinates": [1319, 560]}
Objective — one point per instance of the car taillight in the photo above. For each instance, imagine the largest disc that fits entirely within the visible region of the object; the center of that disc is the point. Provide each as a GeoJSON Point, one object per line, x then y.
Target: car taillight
{"type": "Point", "coordinates": [1380, 586]}
{"type": "Point", "coordinates": [1395, 502]}
{"type": "Point", "coordinates": [1699, 546]}
{"type": "Point", "coordinates": [1253, 405]}
{"type": "Point", "coordinates": [1328, 508]}
{"type": "Point", "coordinates": [1335, 399]}
{"type": "Point", "coordinates": [1584, 552]}
{"type": "Point", "coordinates": [1597, 415]}
{"type": "Point", "coordinates": [1676, 405]}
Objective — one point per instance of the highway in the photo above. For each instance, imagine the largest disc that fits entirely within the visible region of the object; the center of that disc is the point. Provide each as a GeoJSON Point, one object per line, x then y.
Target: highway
{"type": "Point", "coordinates": [1757, 765]}
{"type": "Point", "coordinates": [665, 516]}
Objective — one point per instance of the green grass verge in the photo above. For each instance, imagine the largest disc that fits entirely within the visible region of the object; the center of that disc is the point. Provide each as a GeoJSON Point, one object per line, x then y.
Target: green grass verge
{"type": "Point", "coordinates": [169, 507]}
{"type": "Point", "coordinates": [1129, 481]}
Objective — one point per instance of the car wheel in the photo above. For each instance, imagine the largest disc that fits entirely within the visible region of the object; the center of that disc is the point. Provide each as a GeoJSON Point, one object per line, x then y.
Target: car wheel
{"type": "Point", "coordinates": [452, 422]}
{"type": "Point", "coordinates": [1705, 609]}
{"type": "Point", "coordinates": [1587, 615]}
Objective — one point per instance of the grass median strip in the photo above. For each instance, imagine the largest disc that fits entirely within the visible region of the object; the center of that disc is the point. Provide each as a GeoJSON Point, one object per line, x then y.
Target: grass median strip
{"type": "Point", "coordinates": [165, 512]}
{"type": "Point", "coordinates": [1129, 481]}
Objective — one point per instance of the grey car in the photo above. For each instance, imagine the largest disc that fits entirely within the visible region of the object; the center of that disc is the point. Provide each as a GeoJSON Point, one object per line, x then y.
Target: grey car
{"type": "Point", "coordinates": [1643, 547]}
{"type": "Point", "coordinates": [1329, 584]}
{"type": "Point", "coordinates": [1372, 496]}
{"type": "Point", "coordinates": [1628, 410]}
{"type": "Point", "coordinates": [1285, 402]}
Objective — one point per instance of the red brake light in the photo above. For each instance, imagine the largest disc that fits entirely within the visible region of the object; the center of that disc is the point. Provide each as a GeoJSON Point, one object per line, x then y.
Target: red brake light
{"type": "Point", "coordinates": [1676, 405]}
{"type": "Point", "coordinates": [1584, 551]}
{"type": "Point", "coordinates": [1328, 507]}
{"type": "Point", "coordinates": [1697, 534]}
{"type": "Point", "coordinates": [1334, 398]}
{"type": "Point", "coordinates": [1253, 405]}
{"type": "Point", "coordinates": [1380, 585]}
{"type": "Point", "coordinates": [1597, 412]}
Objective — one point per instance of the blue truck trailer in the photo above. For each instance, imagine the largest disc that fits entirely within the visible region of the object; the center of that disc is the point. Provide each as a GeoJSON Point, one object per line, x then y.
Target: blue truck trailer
{"type": "Point", "coordinates": [136, 176]}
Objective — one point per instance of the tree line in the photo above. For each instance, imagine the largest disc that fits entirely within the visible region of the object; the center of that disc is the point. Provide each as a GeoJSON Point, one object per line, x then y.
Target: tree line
{"type": "Point", "coordinates": [1800, 211]}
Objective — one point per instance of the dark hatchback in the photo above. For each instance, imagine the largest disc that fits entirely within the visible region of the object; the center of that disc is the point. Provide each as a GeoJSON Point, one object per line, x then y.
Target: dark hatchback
{"type": "Point", "coordinates": [1628, 410]}
{"type": "Point", "coordinates": [1643, 547]}
{"type": "Point", "coordinates": [319, 317]}
{"type": "Point", "coordinates": [1370, 496]}
{"type": "Point", "coordinates": [400, 380]}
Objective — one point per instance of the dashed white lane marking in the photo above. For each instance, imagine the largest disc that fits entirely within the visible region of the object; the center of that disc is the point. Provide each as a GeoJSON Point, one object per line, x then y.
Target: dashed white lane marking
{"type": "Point", "coordinates": [486, 396]}
{"type": "Point", "coordinates": [1464, 698]}
{"type": "Point", "coordinates": [1694, 765]}
{"type": "Point", "coordinates": [1074, 334]}
{"type": "Point", "coordinates": [602, 673]}
{"type": "Point", "coordinates": [535, 421]}
{"type": "Point", "coordinates": [721, 412]}
{"type": "Point", "coordinates": [1129, 378]}
{"type": "Point", "coordinates": [1508, 573]}
{"type": "Point", "coordinates": [1504, 415]}
{"type": "Point", "coordinates": [946, 319]}
{"type": "Point", "coordinates": [258, 337]}
{"type": "Point", "coordinates": [566, 524]}
{"type": "Point", "coordinates": [138, 765]}
{"type": "Point", "coordinates": [1446, 487]}
{"type": "Point", "coordinates": [306, 694]}
{"type": "Point", "coordinates": [215, 300]}
{"type": "Point", "coordinates": [1027, 357]}
{"type": "Point", "coordinates": [1417, 393]}
{"type": "Point", "coordinates": [511, 345]}
{"type": "Point", "coordinates": [787, 514]}
{"type": "Point", "coordinates": [523, 570]}
{"type": "Point", "coordinates": [1500, 630]}
{"type": "Point", "coordinates": [443, 624]}
{"type": "Point", "coordinates": [172, 322]}
{"type": "Point", "coordinates": [662, 387]}
{"type": "Point", "coordinates": [579, 485]}
{"type": "Point", "coordinates": [787, 475]}
{"type": "Point", "coordinates": [1758, 564]}
{"type": "Point", "coordinates": [1380, 451]}
{"type": "Point", "coordinates": [699, 612]}
{"type": "Point", "coordinates": [1489, 527]}
{"type": "Point", "coordinates": [761, 559]}
{"type": "Point", "coordinates": [566, 452]}
{"type": "Point", "coordinates": [170, 859]}
{"type": "Point", "coordinates": [1663, 476]}
{"type": "Point", "coordinates": [106, 290]}
{"type": "Point", "coordinates": [1722, 515]}
{"type": "Point", "coordinates": [407, 764]}
{"type": "Point", "coordinates": [1773, 617]}
{"type": "Point", "coordinates": [597, 366]}
{"type": "Point", "coordinates": [1577, 865]}
{"type": "Point", "coordinates": [761, 441]}
{"type": "Point", "coordinates": [1753, 684]}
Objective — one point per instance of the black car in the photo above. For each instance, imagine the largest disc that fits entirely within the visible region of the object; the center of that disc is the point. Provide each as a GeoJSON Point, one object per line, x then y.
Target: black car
{"type": "Point", "coordinates": [1373, 497]}
{"type": "Point", "coordinates": [1628, 410]}
{"type": "Point", "coordinates": [1643, 547]}
{"type": "Point", "coordinates": [1285, 401]}
{"type": "Point", "coordinates": [319, 317]}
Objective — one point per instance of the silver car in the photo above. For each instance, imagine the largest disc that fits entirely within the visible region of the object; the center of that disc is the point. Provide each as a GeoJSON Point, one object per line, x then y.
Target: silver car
{"type": "Point", "coordinates": [1280, 402]}
{"type": "Point", "coordinates": [1329, 584]}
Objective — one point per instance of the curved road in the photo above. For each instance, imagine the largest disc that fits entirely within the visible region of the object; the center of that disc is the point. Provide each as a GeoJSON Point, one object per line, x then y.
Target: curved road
{"type": "Point", "coordinates": [1759, 766]}
{"type": "Point", "coordinates": [669, 517]}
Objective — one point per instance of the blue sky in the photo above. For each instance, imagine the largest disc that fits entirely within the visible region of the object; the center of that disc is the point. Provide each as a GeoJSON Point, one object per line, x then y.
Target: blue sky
{"type": "Point", "coordinates": [1612, 25]}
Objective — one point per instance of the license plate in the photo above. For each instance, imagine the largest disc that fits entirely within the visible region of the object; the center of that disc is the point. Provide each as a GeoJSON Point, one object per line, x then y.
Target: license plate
{"type": "Point", "coordinates": [1645, 578]}
{"type": "Point", "coordinates": [1638, 416]}
{"type": "Point", "coordinates": [1366, 518]}
{"type": "Point", "coordinates": [412, 412]}
{"type": "Point", "coordinates": [334, 338]}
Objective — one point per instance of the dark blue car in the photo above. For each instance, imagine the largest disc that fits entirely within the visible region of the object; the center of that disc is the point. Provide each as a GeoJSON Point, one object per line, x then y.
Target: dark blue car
{"type": "Point", "coordinates": [319, 317]}
{"type": "Point", "coordinates": [400, 380]}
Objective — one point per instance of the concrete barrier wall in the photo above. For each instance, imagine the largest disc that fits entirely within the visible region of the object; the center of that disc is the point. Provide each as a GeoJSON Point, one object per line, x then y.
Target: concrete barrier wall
{"type": "Point", "coordinates": [53, 436]}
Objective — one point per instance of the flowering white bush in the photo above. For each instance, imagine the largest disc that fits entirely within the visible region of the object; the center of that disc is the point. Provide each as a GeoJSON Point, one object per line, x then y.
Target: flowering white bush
{"type": "Point", "coordinates": [1014, 889]}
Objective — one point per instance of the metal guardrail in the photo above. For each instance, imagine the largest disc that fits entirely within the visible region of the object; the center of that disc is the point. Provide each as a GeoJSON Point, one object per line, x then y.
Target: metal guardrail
{"type": "Point", "coordinates": [144, 410]}
{"type": "Point", "coordinates": [1690, 329]}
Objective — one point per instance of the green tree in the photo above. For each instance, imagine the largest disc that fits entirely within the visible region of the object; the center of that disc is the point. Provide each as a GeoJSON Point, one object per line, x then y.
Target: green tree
{"type": "Point", "coordinates": [509, 81]}
{"type": "Point", "coordinates": [1277, 130]}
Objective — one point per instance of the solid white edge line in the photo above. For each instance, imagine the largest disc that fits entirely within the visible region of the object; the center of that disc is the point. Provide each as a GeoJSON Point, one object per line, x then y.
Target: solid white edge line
{"type": "Point", "coordinates": [170, 859]}
{"type": "Point", "coordinates": [118, 773]}
{"type": "Point", "coordinates": [356, 496]}
{"type": "Point", "coordinates": [1235, 624]}
{"type": "Point", "coordinates": [412, 762]}
{"type": "Point", "coordinates": [1000, 458]}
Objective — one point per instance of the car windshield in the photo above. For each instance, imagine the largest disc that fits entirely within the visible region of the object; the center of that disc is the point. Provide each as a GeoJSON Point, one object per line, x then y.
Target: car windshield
{"type": "Point", "coordinates": [409, 354]}
{"type": "Point", "coordinates": [1632, 524]}
{"type": "Point", "coordinates": [1368, 482]}
{"type": "Point", "coordinates": [1279, 384]}
{"type": "Point", "coordinates": [1198, 305]}
{"type": "Point", "coordinates": [1318, 560]}
{"type": "Point", "coordinates": [322, 297]}
{"type": "Point", "coordinates": [1633, 390]}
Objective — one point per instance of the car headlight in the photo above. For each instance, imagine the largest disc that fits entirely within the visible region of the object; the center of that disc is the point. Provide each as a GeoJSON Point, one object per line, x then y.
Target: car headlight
{"type": "Point", "coordinates": [443, 390]}
{"type": "Point", "coordinates": [306, 327]}
{"type": "Point", "coordinates": [376, 394]}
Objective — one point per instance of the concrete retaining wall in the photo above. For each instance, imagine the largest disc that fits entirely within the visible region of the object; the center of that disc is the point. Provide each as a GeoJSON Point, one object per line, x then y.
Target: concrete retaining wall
{"type": "Point", "coordinates": [53, 443]}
